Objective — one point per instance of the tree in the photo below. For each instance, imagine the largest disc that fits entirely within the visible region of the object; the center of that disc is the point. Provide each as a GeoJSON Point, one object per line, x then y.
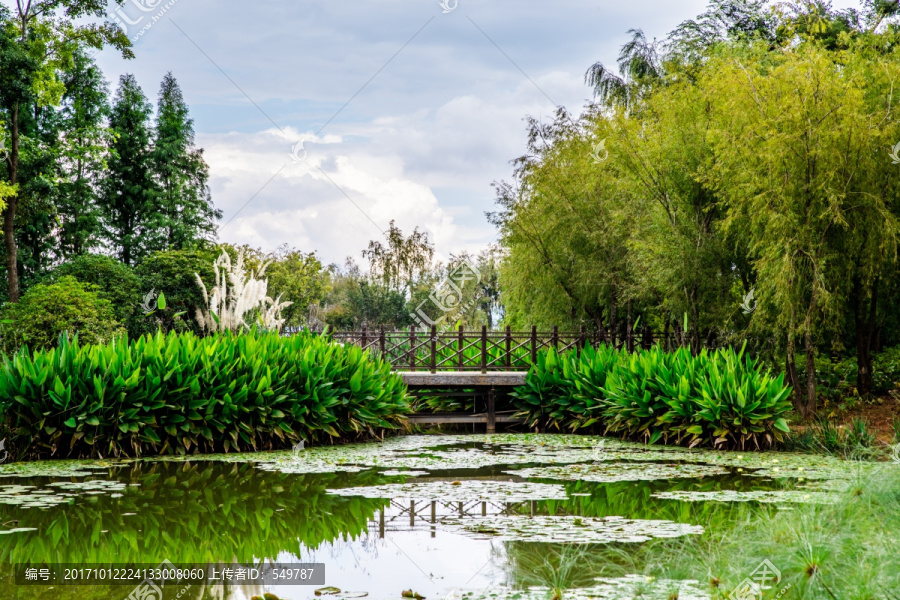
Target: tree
{"type": "Point", "coordinates": [35, 43]}
{"type": "Point", "coordinates": [180, 172]}
{"type": "Point", "coordinates": [640, 65]}
{"type": "Point", "coordinates": [172, 273]}
{"type": "Point", "coordinates": [299, 278]}
{"type": "Point", "coordinates": [799, 145]}
{"type": "Point", "coordinates": [129, 200]}
{"type": "Point", "coordinates": [399, 262]}
{"type": "Point", "coordinates": [82, 117]}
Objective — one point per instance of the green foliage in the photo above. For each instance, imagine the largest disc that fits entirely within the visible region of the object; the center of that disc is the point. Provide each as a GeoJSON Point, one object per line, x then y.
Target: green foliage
{"type": "Point", "coordinates": [85, 107]}
{"type": "Point", "coordinates": [827, 436]}
{"type": "Point", "coordinates": [298, 278]}
{"type": "Point", "coordinates": [177, 393]}
{"type": "Point", "coordinates": [180, 172]}
{"type": "Point", "coordinates": [113, 280]}
{"type": "Point", "coordinates": [66, 307]}
{"type": "Point", "coordinates": [128, 202]}
{"type": "Point", "coordinates": [720, 398]}
{"type": "Point", "coordinates": [172, 273]}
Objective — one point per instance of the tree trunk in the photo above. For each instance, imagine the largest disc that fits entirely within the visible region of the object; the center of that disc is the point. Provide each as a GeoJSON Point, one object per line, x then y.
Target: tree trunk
{"type": "Point", "coordinates": [613, 324]}
{"type": "Point", "coordinates": [809, 408]}
{"type": "Point", "coordinates": [793, 377]}
{"type": "Point", "coordinates": [629, 334]}
{"type": "Point", "coordinates": [695, 326]}
{"type": "Point", "coordinates": [9, 214]}
{"type": "Point", "coordinates": [865, 332]}
{"type": "Point", "coordinates": [667, 333]}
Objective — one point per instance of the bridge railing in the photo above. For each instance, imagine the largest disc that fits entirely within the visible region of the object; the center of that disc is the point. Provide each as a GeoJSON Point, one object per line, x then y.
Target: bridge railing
{"type": "Point", "coordinates": [484, 350]}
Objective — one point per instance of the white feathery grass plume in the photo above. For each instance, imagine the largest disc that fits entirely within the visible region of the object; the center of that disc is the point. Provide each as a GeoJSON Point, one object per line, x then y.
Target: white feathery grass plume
{"type": "Point", "coordinates": [235, 295]}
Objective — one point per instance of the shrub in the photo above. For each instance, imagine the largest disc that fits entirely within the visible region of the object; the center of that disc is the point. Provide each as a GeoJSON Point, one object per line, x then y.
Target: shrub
{"type": "Point", "coordinates": [178, 393]}
{"type": "Point", "coordinates": [46, 311]}
{"type": "Point", "coordinates": [548, 389]}
{"type": "Point", "coordinates": [115, 281]}
{"type": "Point", "coordinates": [173, 274]}
{"type": "Point", "coordinates": [565, 390]}
{"type": "Point", "coordinates": [721, 398]}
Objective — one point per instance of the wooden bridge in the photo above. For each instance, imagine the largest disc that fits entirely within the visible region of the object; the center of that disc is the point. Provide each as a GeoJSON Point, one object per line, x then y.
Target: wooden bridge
{"type": "Point", "coordinates": [481, 364]}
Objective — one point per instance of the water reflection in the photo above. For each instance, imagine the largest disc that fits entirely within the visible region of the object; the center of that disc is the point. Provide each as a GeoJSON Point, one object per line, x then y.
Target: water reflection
{"type": "Point", "coordinates": [204, 511]}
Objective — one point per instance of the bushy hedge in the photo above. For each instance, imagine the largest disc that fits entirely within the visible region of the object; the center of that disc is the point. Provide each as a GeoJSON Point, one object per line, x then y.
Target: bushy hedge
{"type": "Point", "coordinates": [720, 398]}
{"type": "Point", "coordinates": [47, 311]}
{"type": "Point", "coordinates": [178, 393]}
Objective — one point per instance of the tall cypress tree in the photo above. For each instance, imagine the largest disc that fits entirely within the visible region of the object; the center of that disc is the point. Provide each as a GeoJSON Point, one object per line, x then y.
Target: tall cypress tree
{"type": "Point", "coordinates": [181, 173]}
{"type": "Point", "coordinates": [84, 110]}
{"type": "Point", "coordinates": [128, 200]}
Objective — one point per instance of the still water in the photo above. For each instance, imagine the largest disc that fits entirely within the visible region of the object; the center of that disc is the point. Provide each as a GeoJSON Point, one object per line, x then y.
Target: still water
{"type": "Point", "coordinates": [441, 516]}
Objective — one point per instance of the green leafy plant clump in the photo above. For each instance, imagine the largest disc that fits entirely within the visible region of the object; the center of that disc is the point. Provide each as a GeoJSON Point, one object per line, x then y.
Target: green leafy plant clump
{"type": "Point", "coordinates": [178, 393]}
{"type": "Point", "coordinates": [721, 398]}
{"type": "Point", "coordinates": [50, 311]}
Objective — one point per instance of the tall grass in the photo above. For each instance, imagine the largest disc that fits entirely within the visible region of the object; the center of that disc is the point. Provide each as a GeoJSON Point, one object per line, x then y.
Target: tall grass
{"type": "Point", "coordinates": [847, 550]}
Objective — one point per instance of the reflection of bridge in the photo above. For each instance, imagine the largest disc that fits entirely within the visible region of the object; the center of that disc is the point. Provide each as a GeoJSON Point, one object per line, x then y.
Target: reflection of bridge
{"type": "Point", "coordinates": [406, 515]}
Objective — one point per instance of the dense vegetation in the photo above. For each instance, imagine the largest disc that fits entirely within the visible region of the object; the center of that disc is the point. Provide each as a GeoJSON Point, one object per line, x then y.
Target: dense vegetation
{"type": "Point", "coordinates": [732, 183]}
{"type": "Point", "coordinates": [721, 398]}
{"type": "Point", "coordinates": [178, 393]}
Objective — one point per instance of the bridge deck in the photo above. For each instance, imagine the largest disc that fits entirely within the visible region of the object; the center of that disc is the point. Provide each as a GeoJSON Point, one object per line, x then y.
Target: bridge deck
{"type": "Point", "coordinates": [420, 382]}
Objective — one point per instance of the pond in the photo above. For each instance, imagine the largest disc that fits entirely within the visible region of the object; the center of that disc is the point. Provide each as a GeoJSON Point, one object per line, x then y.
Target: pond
{"type": "Point", "coordinates": [467, 516]}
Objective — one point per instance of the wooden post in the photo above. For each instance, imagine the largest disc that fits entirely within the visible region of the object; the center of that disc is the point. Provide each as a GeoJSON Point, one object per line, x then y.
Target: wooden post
{"type": "Point", "coordinates": [381, 344]}
{"type": "Point", "coordinates": [433, 519]}
{"type": "Point", "coordinates": [381, 523]}
{"type": "Point", "coordinates": [492, 415]}
{"type": "Point", "coordinates": [508, 348]}
{"type": "Point", "coordinates": [582, 339]}
{"type": "Point", "coordinates": [433, 348]}
{"type": "Point", "coordinates": [460, 359]}
{"type": "Point", "coordinates": [484, 356]}
{"type": "Point", "coordinates": [412, 513]}
{"type": "Point", "coordinates": [365, 338]}
{"type": "Point", "coordinates": [412, 348]}
{"type": "Point", "coordinates": [555, 338]}
{"type": "Point", "coordinates": [533, 344]}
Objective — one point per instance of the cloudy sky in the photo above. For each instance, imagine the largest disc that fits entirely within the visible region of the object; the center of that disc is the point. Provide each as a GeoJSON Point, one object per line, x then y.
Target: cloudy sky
{"type": "Point", "coordinates": [401, 110]}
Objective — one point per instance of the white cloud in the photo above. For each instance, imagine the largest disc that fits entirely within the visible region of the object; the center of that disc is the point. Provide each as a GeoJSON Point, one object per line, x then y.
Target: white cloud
{"type": "Point", "coordinates": [424, 139]}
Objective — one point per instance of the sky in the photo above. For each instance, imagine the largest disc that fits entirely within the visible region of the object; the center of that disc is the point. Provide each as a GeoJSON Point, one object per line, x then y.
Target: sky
{"type": "Point", "coordinates": [324, 120]}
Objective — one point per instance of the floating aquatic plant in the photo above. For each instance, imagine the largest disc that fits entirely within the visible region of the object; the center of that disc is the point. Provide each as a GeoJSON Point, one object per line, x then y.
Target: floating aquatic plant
{"type": "Point", "coordinates": [460, 491]}
{"type": "Point", "coordinates": [613, 472]}
{"type": "Point", "coordinates": [765, 496]}
{"type": "Point", "coordinates": [571, 529]}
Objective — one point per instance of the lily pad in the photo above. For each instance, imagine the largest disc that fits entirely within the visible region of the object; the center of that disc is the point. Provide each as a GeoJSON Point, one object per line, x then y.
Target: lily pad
{"type": "Point", "coordinates": [327, 591]}
{"type": "Point", "coordinates": [631, 586]}
{"type": "Point", "coordinates": [613, 472]}
{"type": "Point", "coordinates": [459, 491]}
{"type": "Point", "coordinates": [768, 497]}
{"type": "Point", "coordinates": [576, 530]}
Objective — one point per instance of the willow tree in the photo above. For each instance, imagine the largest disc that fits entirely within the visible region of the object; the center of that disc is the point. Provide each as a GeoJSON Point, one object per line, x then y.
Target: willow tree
{"type": "Point", "coordinates": [800, 140]}
{"type": "Point", "coordinates": [401, 259]}
{"type": "Point", "coordinates": [565, 226]}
